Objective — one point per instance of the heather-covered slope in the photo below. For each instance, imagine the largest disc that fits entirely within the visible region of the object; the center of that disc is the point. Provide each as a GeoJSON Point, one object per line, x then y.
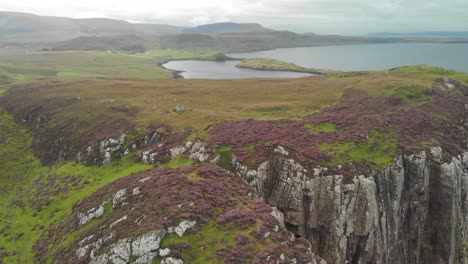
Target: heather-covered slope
{"type": "Point", "coordinates": [200, 214]}
{"type": "Point", "coordinates": [367, 167]}
{"type": "Point", "coordinates": [405, 109]}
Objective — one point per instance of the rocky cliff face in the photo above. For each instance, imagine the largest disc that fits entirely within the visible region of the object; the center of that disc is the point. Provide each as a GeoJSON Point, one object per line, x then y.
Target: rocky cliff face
{"type": "Point", "coordinates": [414, 211]}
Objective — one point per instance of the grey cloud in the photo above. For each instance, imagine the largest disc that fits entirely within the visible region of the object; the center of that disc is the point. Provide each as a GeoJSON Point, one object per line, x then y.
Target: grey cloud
{"type": "Point", "coordinates": [321, 16]}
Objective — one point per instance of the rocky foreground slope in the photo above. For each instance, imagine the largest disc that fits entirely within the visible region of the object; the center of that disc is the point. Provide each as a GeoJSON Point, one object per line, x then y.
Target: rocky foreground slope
{"type": "Point", "coordinates": [378, 176]}
{"type": "Point", "coordinates": [198, 214]}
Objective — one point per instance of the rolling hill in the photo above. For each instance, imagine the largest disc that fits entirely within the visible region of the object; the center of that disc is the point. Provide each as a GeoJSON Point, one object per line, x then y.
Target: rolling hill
{"type": "Point", "coordinates": [227, 27]}
{"type": "Point", "coordinates": [21, 31]}
{"type": "Point", "coordinates": [22, 27]}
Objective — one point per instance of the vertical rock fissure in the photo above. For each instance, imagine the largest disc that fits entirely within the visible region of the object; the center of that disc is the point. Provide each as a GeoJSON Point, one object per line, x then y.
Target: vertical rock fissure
{"type": "Point", "coordinates": [408, 212]}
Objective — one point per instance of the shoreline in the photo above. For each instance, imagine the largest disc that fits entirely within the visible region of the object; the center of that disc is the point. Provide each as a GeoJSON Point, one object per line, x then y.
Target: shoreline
{"type": "Point", "coordinates": [176, 74]}
{"type": "Point", "coordinates": [312, 73]}
{"type": "Point", "coordinates": [265, 64]}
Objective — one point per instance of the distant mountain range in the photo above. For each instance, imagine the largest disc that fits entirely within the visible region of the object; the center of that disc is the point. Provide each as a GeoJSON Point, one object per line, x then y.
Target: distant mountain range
{"type": "Point", "coordinates": [426, 34]}
{"type": "Point", "coordinates": [23, 27]}
{"type": "Point", "coordinates": [21, 31]}
{"type": "Point", "coordinates": [227, 27]}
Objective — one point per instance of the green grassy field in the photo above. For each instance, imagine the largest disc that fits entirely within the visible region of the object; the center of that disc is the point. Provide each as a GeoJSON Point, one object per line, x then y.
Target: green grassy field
{"type": "Point", "coordinates": [76, 64]}
{"type": "Point", "coordinates": [377, 151]}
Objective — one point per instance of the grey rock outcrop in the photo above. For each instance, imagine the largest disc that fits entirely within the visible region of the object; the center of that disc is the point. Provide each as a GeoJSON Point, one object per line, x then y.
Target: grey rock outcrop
{"type": "Point", "coordinates": [140, 249]}
{"type": "Point", "coordinates": [102, 151]}
{"type": "Point", "coordinates": [143, 249]}
{"type": "Point", "coordinates": [414, 211]}
{"type": "Point", "coordinates": [176, 151]}
{"type": "Point", "coordinates": [182, 227]}
{"type": "Point", "coordinates": [196, 151]}
{"type": "Point", "coordinates": [91, 214]}
{"type": "Point", "coordinates": [105, 150]}
{"type": "Point", "coordinates": [152, 139]}
{"type": "Point", "coordinates": [119, 198]}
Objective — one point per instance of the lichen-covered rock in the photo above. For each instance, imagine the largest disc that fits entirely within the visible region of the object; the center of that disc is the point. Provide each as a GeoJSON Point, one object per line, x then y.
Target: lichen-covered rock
{"type": "Point", "coordinates": [147, 243]}
{"type": "Point", "coordinates": [102, 151]}
{"type": "Point", "coordinates": [179, 109]}
{"type": "Point", "coordinates": [182, 227]}
{"type": "Point", "coordinates": [171, 260]}
{"type": "Point", "coordinates": [163, 252]}
{"type": "Point", "coordinates": [149, 156]}
{"type": "Point", "coordinates": [278, 215]}
{"type": "Point", "coordinates": [89, 215]}
{"type": "Point", "coordinates": [143, 249]}
{"type": "Point", "coordinates": [198, 152]}
{"type": "Point", "coordinates": [176, 151]}
{"type": "Point", "coordinates": [124, 218]}
{"type": "Point", "coordinates": [119, 197]}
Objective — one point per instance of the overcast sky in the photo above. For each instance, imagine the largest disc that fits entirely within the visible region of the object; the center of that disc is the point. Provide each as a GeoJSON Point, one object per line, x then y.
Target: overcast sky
{"type": "Point", "coordinates": [348, 17]}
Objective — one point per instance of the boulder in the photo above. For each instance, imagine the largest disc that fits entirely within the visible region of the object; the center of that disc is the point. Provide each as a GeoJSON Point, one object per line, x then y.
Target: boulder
{"type": "Point", "coordinates": [179, 109]}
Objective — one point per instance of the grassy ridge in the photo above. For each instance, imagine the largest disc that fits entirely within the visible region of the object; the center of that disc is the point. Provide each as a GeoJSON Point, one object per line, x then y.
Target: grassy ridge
{"type": "Point", "coordinates": [277, 65]}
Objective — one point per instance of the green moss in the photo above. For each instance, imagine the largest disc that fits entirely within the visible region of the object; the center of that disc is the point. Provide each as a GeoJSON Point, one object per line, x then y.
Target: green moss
{"type": "Point", "coordinates": [320, 128]}
{"type": "Point", "coordinates": [430, 143]}
{"type": "Point", "coordinates": [250, 151]}
{"type": "Point", "coordinates": [203, 243]}
{"type": "Point", "coordinates": [422, 70]}
{"type": "Point", "coordinates": [465, 248]}
{"type": "Point", "coordinates": [377, 151]}
{"type": "Point", "coordinates": [426, 246]}
{"type": "Point", "coordinates": [225, 156]}
{"type": "Point", "coordinates": [410, 93]}
{"type": "Point", "coordinates": [335, 75]}
{"type": "Point", "coordinates": [206, 240]}
{"type": "Point", "coordinates": [428, 72]}
{"type": "Point", "coordinates": [193, 176]}
{"type": "Point", "coordinates": [270, 111]}
{"type": "Point", "coordinates": [28, 70]}
{"type": "Point", "coordinates": [178, 161]}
